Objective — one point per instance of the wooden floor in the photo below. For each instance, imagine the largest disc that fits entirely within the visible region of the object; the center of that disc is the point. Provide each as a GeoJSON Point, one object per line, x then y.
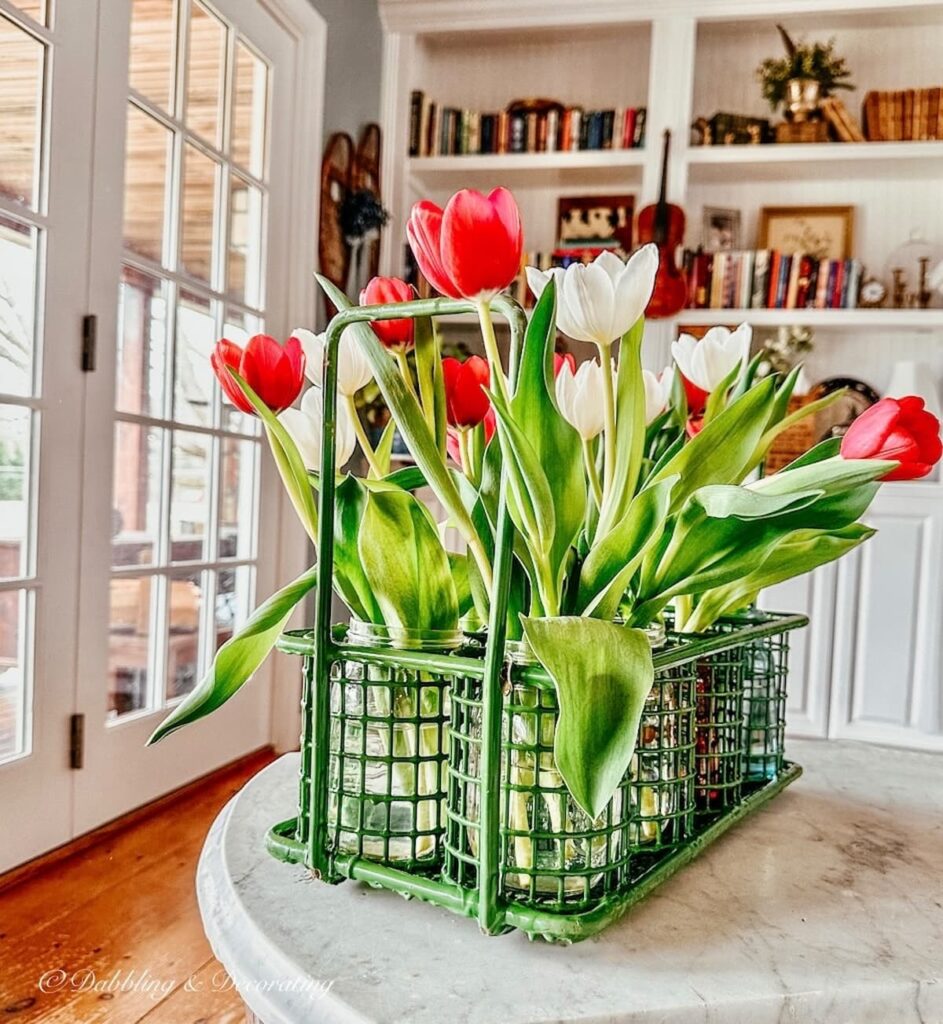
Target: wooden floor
{"type": "Point", "coordinates": [114, 930]}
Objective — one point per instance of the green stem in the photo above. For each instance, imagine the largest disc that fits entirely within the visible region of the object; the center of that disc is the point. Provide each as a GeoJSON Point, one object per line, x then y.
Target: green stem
{"type": "Point", "coordinates": [590, 461]}
{"type": "Point", "coordinates": [363, 440]}
{"type": "Point", "coordinates": [546, 586]}
{"type": "Point", "coordinates": [404, 369]}
{"type": "Point", "coordinates": [491, 350]}
{"type": "Point", "coordinates": [465, 452]}
{"type": "Point", "coordinates": [609, 404]}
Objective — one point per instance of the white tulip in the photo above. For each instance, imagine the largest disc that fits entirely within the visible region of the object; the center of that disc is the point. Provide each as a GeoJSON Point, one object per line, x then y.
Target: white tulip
{"type": "Point", "coordinates": [707, 362]}
{"type": "Point", "coordinates": [353, 369]}
{"type": "Point", "coordinates": [600, 301]}
{"type": "Point", "coordinates": [304, 426]}
{"type": "Point", "coordinates": [657, 392]}
{"type": "Point", "coordinates": [580, 397]}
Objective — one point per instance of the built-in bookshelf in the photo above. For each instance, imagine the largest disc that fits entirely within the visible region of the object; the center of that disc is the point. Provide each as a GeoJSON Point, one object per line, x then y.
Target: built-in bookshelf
{"type": "Point", "coordinates": [683, 59]}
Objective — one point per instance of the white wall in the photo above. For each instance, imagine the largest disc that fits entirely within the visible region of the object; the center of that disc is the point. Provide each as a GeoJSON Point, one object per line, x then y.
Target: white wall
{"type": "Point", "coordinates": [354, 51]}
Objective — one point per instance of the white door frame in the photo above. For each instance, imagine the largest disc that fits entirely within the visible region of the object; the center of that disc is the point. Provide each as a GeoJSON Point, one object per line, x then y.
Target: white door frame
{"type": "Point", "coordinates": [35, 790]}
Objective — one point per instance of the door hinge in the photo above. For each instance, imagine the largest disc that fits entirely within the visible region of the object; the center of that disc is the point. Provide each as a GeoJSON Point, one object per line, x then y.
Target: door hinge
{"type": "Point", "coordinates": [77, 742]}
{"type": "Point", "coordinates": [89, 342]}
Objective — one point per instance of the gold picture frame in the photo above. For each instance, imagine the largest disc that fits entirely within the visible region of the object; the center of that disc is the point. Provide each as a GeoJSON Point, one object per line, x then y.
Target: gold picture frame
{"type": "Point", "coordinates": [823, 232]}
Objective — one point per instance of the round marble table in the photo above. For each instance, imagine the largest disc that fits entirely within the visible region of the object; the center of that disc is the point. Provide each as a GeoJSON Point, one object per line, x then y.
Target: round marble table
{"type": "Point", "coordinates": [825, 906]}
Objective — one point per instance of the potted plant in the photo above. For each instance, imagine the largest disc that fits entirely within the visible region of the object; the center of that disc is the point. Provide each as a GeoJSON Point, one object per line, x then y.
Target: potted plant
{"type": "Point", "coordinates": [809, 73]}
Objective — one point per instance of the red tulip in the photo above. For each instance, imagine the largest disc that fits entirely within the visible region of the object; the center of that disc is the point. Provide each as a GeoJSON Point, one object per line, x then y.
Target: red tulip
{"type": "Point", "coordinates": [472, 249]}
{"type": "Point", "coordinates": [273, 371]}
{"type": "Point", "coordinates": [694, 425]}
{"type": "Point", "coordinates": [383, 290]}
{"type": "Point", "coordinates": [561, 359]}
{"type": "Point", "coordinates": [466, 403]}
{"type": "Point", "coordinates": [899, 429]}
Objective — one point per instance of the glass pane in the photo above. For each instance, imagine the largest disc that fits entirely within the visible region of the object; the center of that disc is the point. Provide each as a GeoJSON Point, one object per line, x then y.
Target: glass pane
{"type": "Point", "coordinates": [237, 498]}
{"type": "Point", "coordinates": [129, 634]}
{"type": "Point", "coordinates": [153, 49]}
{"type": "Point", "coordinates": [21, 104]}
{"type": "Point", "coordinates": [145, 184]}
{"type": "Point", "coordinates": [135, 509]}
{"type": "Point", "coordinates": [17, 306]}
{"type": "Point", "coordinates": [14, 700]}
{"type": "Point", "coordinates": [183, 642]}
{"type": "Point", "coordinates": [36, 9]}
{"type": "Point", "coordinates": [14, 491]}
{"type": "Point", "coordinates": [142, 344]}
{"type": "Point", "coordinates": [198, 221]}
{"type": "Point", "coordinates": [193, 374]}
{"type": "Point", "coordinates": [189, 496]}
{"type": "Point", "coordinates": [206, 59]}
{"type": "Point", "coordinates": [248, 110]}
{"type": "Point", "coordinates": [244, 258]}
{"type": "Point", "coordinates": [239, 327]}
{"type": "Point", "coordinates": [233, 599]}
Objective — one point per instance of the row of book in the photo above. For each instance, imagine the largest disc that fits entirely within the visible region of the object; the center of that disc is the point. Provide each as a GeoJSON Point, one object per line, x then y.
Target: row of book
{"type": "Point", "coordinates": [769, 279]}
{"type": "Point", "coordinates": [904, 115]}
{"type": "Point", "coordinates": [436, 130]}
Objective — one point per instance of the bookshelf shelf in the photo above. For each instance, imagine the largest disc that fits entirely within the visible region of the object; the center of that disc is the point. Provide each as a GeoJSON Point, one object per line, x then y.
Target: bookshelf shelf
{"type": "Point", "coordinates": [520, 167]}
{"type": "Point", "coordinates": [839, 319]}
{"type": "Point", "coordinates": [833, 159]}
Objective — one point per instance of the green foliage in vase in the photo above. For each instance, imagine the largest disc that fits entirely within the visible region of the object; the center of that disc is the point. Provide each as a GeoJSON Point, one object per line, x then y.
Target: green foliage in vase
{"type": "Point", "coordinates": [817, 61]}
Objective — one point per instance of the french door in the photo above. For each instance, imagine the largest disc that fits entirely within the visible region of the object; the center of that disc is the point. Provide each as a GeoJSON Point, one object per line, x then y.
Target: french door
{"type": "Point", "coordinates": [161, 521]}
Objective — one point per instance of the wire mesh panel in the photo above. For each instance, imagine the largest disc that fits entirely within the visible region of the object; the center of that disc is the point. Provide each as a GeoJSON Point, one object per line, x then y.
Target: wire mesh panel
{"type": "Point", "coordinates": [387, 763]}
{"type": "Point", "coordinates": [663, 768]}
{"type": "Point", "coordinates": [765, 707]}
{"type": "Point", "coordinates": [719, 735]}
{"type": "Point", "coordinates": [552, 854]}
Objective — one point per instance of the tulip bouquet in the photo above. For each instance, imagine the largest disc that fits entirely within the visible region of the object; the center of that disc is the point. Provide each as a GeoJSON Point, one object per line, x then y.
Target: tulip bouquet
{"type": "Point", "coordinates": [630, 493]}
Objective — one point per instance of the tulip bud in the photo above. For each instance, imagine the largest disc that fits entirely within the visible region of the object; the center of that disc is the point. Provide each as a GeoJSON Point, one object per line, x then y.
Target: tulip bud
{"type": "Point", "coordinates": [382, 291]}
{"type": "Point", "coordinates": [898, 429]}
{"type": "Point", "coordinates": [472, 248]}
{"type": "Point", "coordinates": [705, 364]}
{"type": "Point", "coordinates": [275, 373]}
{"type": "Point", "coordinates": [581, 398]}
{"type": "Point", "coordinates": [353, 368]}
{"type": "Point", "coordinates": [657, 392]}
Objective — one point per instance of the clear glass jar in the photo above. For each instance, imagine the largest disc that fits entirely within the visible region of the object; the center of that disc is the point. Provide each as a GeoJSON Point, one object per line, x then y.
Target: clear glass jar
{"type": "Point", "coordinates": [389, 734]}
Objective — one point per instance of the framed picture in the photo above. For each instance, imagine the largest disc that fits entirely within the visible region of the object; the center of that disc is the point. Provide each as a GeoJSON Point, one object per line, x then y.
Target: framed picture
{"type": "Point", "coordinates": [822, 232]}
{"type": "Point", "coordinates": [593, 222]}
{"type": "Point", "coordinates": [721, 229]}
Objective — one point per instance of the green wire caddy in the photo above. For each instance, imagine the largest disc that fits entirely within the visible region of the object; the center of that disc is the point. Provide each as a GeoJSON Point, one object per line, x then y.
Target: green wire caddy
{"type": "Point", "coordinates": [427, 759]}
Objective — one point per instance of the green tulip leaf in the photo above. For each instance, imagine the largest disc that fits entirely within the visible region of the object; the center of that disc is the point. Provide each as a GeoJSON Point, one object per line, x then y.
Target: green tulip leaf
{"type": "Point", "coordinates": [602, 673]}
{"type": "Point", "coordinates": [239, 657]}
{"type": "Point", "coordinates": [405, 563]}
{"type": "Point", "coordinates": [612, 562]}
{"type": "Point", "coordinates": [555, 442]}
{"type": "Point", "coordinates": [827, 449]}
{"type": "Point", "coordinates": [384, 450]}
{"type": "Point", "coordinates": [630, 429]}
{"type": "Point", "coordinates": [722, 450]}
{"type": "Point", "coordinates": [350, 580]}
{"type": "Point", "coordinates": [796, 554]}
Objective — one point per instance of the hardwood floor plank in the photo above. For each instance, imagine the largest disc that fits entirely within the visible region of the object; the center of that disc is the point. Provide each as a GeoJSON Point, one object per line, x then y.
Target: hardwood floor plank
{"type": "Point", "coordinates": [115, 929]}
{"type": "Point", "coordinates": [63, 886]}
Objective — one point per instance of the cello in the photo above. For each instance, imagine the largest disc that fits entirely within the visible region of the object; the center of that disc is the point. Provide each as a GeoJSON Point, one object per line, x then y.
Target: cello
{"type": "Point", "coordinates": [663, 224]}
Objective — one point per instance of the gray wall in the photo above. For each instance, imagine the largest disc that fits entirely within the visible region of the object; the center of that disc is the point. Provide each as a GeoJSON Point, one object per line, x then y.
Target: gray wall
{"type": "Point", "coordinates": [354, 48]}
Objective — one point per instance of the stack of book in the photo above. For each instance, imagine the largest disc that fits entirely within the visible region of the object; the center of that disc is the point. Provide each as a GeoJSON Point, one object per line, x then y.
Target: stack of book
{"type": "Point", "coordinates": [435, 130]}
{"type": "Point", "coordinates": [904, 115]}
{"type": "Point", "coordinates": [769, 279]}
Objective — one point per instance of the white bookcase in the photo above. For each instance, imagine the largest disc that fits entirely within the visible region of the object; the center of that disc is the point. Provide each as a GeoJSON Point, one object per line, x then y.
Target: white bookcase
{"type": "Point", "coordinates": [871, 666]}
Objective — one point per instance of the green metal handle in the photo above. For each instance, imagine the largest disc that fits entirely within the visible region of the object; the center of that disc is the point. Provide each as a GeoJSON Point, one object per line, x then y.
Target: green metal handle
{"type": "Point", "coordinates": [490, 912]}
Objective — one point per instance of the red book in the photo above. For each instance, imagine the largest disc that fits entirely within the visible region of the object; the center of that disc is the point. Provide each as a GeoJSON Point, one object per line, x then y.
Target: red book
{"type": "Point", "coordinates": [805, 277]}
{"type": "Point", "coordinates": [628, 129]}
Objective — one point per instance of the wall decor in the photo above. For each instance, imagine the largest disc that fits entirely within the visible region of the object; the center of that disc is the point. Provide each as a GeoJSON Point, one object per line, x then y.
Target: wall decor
{"type": "Point", "coordinates": [595, 222]}
{"type": "Point", "coordinates": [823, 232]}
{"type": "Point", "coordinates": [721, 229]}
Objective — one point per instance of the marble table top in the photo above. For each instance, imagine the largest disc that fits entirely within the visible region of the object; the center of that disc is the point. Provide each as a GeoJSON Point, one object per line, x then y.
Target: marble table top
{"type": "Point", "coordinates": [825, 906]}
